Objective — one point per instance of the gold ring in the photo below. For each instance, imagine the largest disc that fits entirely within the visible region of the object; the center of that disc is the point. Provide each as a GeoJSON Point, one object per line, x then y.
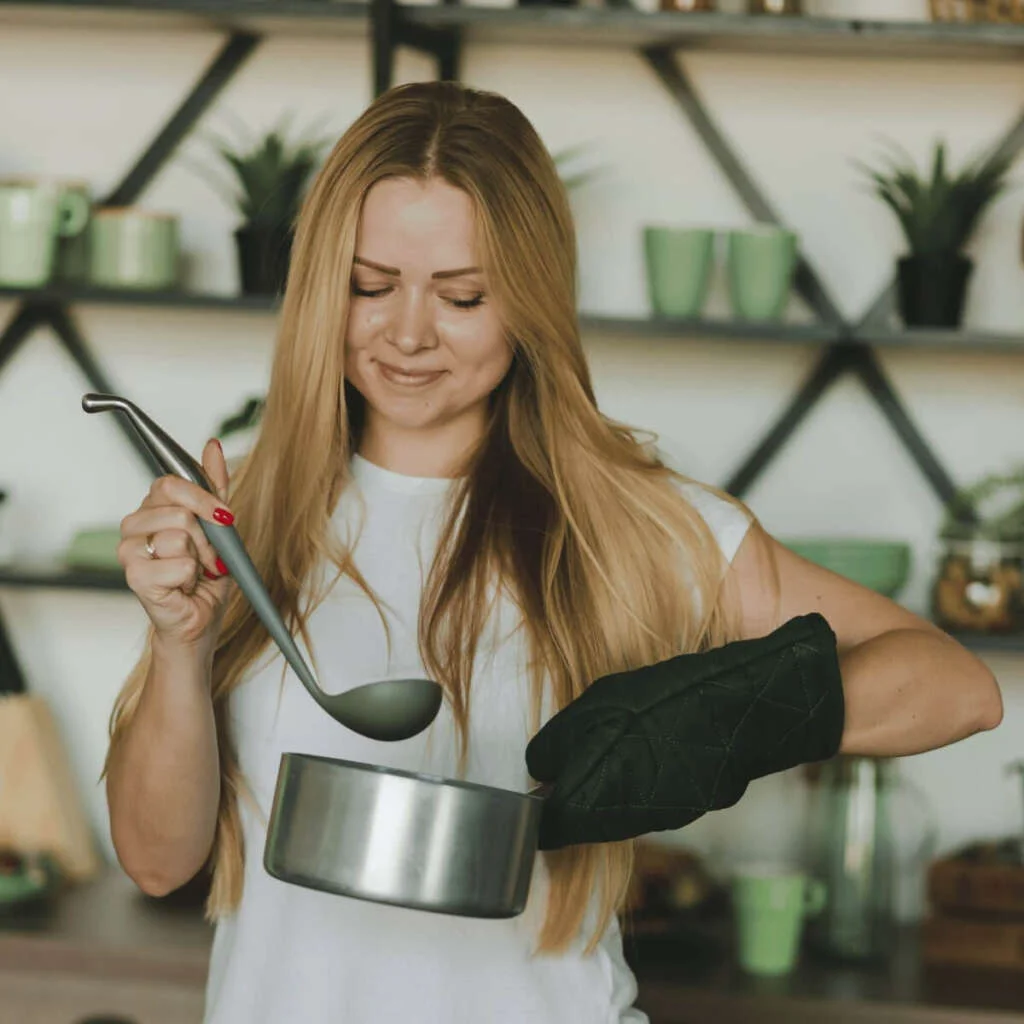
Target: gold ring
{"type": "Point", "coordinates": [150, 550]}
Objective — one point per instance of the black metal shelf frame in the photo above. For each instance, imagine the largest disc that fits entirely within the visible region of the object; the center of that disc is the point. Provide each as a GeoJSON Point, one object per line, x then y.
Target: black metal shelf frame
{"type": "Point", "coordinates": [440, 33]}
{"type": "Point", "coordinates": [393, 26]}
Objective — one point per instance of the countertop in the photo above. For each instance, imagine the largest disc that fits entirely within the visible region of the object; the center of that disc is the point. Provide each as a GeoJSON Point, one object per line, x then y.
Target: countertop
{"type": "Point", "coordinates": [108, 929]}
{"type": "Point", "coordinates": [678, 986]}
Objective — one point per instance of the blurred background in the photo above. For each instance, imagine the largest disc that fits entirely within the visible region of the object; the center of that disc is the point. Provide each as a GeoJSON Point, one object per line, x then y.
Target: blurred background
{"type": "Point", "coordinates": [151, 155]}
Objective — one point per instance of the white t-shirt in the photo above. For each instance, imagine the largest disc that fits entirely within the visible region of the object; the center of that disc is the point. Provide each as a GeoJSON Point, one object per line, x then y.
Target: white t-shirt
{"type": "Point", "coordinates": [291, 954]}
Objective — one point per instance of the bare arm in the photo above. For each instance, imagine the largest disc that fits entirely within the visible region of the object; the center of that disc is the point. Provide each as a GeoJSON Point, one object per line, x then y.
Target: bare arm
{"type": "Point", "coordinates": [909, 686]}
{"type": "Point", "coordinates": [163, 783]}
{"type": "Point", "coordinates": [163, 772]}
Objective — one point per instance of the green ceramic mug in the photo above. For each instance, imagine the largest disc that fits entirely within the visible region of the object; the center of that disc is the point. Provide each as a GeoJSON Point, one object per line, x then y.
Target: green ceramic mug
{"type": "Point", "coordinates": [71, 265]}
{"type": "Point", "coordinates": [770, 904]}
{"type": "Point", "coordinates": [760, 261]}
{"type": "Point", "coordinates": [678, 267]}
{"type": "Point", "coordinates": [132, 248]}
{"type": "Point", "coordinates": [33, 215]}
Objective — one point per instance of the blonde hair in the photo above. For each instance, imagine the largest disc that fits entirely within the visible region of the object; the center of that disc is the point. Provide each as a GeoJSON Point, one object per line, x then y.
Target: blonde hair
{"type": "Point", "coordinates": [572, 514]}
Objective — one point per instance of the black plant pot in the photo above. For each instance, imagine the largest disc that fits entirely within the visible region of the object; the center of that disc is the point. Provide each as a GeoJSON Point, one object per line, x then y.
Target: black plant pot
{"type": "Point", "coordinates": [263, 256]}
{"type": "Point", "coordinates": [932, 289]}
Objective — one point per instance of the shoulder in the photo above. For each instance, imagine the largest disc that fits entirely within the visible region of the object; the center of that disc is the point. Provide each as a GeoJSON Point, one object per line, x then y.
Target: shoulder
{"type": "Point", "coordinates": [726, 517]}
{"type": "Point", "coordinates": [727, 520]}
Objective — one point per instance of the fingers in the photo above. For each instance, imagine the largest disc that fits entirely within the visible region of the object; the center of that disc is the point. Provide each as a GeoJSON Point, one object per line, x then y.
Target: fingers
{"type": "Point", "coordinates": [176, 533]}
{"type": "Point", "coordinates": [172, 490]}
{"type": "Point", "coordinates": [216, 467]}
{"type": "Point", "coordinates": [154, 578]}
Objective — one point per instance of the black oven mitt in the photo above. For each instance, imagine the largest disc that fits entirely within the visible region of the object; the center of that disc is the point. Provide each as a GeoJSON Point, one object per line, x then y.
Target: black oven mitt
{"type": "Point", "coordinates": [657, 747]}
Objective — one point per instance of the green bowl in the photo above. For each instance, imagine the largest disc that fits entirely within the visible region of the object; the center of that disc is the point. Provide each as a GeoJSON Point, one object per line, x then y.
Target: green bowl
{"type": "Point", "coordinates": [21, 887]}
{"type": "Point", "coordinates": [881, 565]}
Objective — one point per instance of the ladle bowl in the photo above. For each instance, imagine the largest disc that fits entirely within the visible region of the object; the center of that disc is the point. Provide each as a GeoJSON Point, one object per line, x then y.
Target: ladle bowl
{"type": "Point", "coordinates": [390, 709]}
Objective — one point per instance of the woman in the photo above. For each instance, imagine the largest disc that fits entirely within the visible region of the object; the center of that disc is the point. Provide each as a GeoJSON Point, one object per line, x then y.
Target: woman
{"type": "Point", "coordinates": [434, 490]}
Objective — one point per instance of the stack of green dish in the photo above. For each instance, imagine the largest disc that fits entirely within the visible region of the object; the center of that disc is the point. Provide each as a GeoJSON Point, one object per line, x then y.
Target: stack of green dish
{"type": "Point", "coordinates": [882, 565]}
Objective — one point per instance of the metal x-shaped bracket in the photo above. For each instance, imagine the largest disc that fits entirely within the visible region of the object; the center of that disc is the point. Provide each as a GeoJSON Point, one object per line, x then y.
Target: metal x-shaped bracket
{"type": "Point", "coordinates": [849, 354]}
{"type": "Point", "coordinates": [35, 313]}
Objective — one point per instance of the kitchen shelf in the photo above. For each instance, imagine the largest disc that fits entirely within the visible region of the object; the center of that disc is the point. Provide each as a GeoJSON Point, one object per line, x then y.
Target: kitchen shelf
{"type": "Point", "coordinates": [55, 577]}
{"type": "Point", "coordinates": [559, 26]}
{"type": "Point", "coordinates": [178, 299]}
{"type": "Point", "coordinates": [991, 643]}
{"type": "Point", "coordinates": [965, 340]}
{"type": "Point", "coordinates": [265, 17]}
{"type": "Point", "coordinates": [647, 327]}
{"type": "Point", "coordinates": [736, 33]}
{"type": "Point", "coordinates": [735, 330]}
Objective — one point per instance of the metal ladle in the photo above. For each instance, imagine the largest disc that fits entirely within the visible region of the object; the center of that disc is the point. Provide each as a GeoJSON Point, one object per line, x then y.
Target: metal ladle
{"type": "Point", "coordinates": [391, 709]}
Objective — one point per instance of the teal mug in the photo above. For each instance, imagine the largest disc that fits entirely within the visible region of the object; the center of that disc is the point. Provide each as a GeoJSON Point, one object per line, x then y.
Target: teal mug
{"type": "Point", "coordinates": [134, 248]}
{"type": "Point", "coordinates": [770, 905]}
{"type": "Point", "coordinates": [761, 261]}
{"type": "Point", "coordinates": [33, 215]}
{"type": "Point", "coordinates": [678, 262]}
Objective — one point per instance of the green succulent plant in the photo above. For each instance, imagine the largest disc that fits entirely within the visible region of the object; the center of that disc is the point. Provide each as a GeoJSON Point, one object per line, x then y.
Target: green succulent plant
{"type": "Point", "coordinates": [248, 415]}
{"type": "Point", "coordinates": [267, 175]}
{"type": "Point", "coordinates": [939, 212]}
{"type": "Point", "coordinates": [991, 509]}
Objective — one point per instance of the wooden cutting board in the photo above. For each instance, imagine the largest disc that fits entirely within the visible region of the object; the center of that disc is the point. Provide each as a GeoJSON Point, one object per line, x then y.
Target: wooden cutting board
{"type": "Point", "coordinates": [40, 809]}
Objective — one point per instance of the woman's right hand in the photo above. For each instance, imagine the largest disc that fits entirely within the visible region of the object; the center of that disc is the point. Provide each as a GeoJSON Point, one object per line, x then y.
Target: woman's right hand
{"type": "Point", "coordinates": [184, 586]}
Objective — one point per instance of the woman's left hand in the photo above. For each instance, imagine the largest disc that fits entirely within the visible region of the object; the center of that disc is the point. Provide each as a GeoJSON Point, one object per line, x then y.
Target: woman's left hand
{"type": "Point", "coordinates": [657, 747]}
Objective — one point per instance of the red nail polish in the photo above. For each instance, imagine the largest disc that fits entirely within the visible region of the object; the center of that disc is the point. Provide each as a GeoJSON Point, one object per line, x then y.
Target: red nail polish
{"type": "Point", "coordinates": [222, 515]}
{"type": "Point", "coordinates": [210, 575]}
{"type": "Point", "coordinates": [222, 568]}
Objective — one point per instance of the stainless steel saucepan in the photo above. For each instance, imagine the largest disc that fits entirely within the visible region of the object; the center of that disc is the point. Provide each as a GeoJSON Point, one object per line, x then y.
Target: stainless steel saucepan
{"type": "Point", "coordinates": [403, 838]}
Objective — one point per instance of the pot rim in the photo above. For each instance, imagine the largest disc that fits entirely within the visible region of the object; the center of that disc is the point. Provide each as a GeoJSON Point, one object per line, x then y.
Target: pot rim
{"type": "Point", "coordinates": [362, 767]}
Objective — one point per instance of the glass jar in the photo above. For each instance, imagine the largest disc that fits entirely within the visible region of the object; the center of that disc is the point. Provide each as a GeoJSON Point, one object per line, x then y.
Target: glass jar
{"type": "Point", "coordinates": [871, 834]}
{"type": "Point", "coordinates": [978, 586]}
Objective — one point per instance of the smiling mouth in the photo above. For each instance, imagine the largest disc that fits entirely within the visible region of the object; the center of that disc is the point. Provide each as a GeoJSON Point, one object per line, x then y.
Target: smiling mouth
{"type": "Point", "coordinates": [409, 378]}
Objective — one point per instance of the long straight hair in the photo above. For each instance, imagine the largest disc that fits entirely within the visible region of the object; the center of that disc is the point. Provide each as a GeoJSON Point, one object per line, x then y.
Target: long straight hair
{"type": "Point", "coordinates": [570, 514]}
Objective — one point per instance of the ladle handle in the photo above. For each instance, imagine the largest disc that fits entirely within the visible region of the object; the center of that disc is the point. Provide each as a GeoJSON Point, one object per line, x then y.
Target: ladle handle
{"type": "Point", "coordinates": [225, 539]}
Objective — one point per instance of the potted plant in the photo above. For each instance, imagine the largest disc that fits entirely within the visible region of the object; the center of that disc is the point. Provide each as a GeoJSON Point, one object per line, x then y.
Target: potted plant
{"type": "Point", "coordinates": [237, 432]}
{"type": "Point", "coordinates": [268, 179]}
{"type": "Point", "coordinates": [938, 215]}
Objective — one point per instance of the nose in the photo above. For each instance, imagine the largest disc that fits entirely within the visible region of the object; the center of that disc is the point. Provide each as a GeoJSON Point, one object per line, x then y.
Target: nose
{"type": "Point", "coordinates": [413, 329]}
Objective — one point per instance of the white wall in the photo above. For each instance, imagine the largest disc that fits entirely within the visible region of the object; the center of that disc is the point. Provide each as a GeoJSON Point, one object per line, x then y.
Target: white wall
{"type": "Point", "coordinates": [80, 104]}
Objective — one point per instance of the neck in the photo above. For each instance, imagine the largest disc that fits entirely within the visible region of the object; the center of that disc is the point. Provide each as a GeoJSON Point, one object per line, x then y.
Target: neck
{"type": "Point", "coordinates": [439, 452]}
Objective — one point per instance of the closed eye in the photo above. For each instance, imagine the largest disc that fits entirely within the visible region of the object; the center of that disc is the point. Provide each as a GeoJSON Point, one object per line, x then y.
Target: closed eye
{"type": "Point", "coordinates": [371, 293]}
{"type": "Point", "coordinates": [472, 303]}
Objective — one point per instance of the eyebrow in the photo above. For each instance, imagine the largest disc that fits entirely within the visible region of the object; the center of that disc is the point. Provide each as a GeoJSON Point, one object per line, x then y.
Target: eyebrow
{"type": "Point", "coordinates": [437, 275]}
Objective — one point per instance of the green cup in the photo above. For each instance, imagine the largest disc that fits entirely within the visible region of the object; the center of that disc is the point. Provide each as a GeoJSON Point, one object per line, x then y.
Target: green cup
{"type": "Point", "coordinates": [33, 215]}
{"type": "Point", "coordinates": [71, 265]}
{"type": "Point", "coordinates": [678, 267]}
{"type": "Point", "coordinates": [770, 906]}
{"type": "Point", "coordinates": [132, 248]}
{"type": "Point", "coordinates": [760, 261]}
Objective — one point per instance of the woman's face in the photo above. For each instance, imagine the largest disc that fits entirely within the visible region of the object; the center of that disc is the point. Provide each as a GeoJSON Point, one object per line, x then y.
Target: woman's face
{"type": "Point", "coordinates": [425, 345]}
